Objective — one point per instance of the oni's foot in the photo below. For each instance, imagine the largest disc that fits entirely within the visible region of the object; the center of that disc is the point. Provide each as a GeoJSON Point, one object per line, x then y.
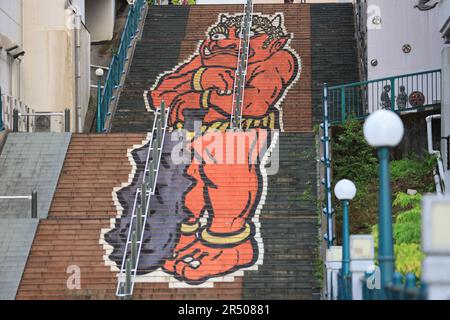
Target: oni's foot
{"type": "Point", "coordinates": [204, 260]}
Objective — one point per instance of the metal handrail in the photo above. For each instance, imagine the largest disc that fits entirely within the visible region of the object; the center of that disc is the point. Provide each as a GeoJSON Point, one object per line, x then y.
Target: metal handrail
{"type": "Point", "coordinates": [139, 214]}
{"type": "Point", "coordinates": [34, 202]}
{"type": "Point", "coordinates": [241, 68]}
{"type": "Point", "coordinates": [355, 84]}
{"type": "Point", "coordinates": [117, 65]}
{"type": "Point", "coordinates": [401, 93]}
{"type": "Point", "coordinates": [328, 210]}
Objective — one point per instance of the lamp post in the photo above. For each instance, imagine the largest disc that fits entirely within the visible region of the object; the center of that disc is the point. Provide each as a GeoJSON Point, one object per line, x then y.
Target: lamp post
{"type": "Point", "coordinates": [99, 73]}
{"type": "Point", "coordinates": [345, 191]}
{"type": "Point", "coordinates": [383, 130]}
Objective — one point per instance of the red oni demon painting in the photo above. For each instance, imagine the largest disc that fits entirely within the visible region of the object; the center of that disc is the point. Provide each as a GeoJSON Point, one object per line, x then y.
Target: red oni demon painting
{"type": "Point", "coordinates": [204, 221]}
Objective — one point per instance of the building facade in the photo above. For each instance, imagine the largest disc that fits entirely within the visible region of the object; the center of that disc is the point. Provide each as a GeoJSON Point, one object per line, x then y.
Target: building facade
{"type": "Point", "coordinates": [45, 57]}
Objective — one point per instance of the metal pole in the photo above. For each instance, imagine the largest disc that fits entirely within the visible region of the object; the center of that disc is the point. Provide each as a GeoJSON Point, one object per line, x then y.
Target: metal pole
{"type": "Point", "coordinates": [143, 195]}
{"type": "Point", "coordinates": [159, 133]}
{"type": "Point", "coordinates": [151, 175]}
{"type": "Point", "coordinates": [128, 277]}
{"type": "Point", "coordinates": [99, 102]}
{"type": "Point", "coordinates": [139, 220]}
{"type": "Point", "coordinates": [163, 113]}
{"type": "Point", "coordinates": [345, 240]}
{"type": "Point", "coordinates": [15, 120]}
{"type": "Point", "coordinates": [67, 120]}
{"type": "Point", "coordinates": [328, 210]}
{"type": "Point", "coordinates": [34, 205]}
{"type": "Point", "coordinates": [385, 238]}
{"type": "Point", "coordinates": [134, 250]}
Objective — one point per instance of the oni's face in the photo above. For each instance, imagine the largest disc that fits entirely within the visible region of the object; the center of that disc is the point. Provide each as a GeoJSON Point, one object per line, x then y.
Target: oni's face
{"type": "Point", "coordinates": [222, 46]}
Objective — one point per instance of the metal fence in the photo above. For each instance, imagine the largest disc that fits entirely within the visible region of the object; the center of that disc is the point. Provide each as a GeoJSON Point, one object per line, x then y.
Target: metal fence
{"type": "Point", "coordinates": [9, 105]}
{"type": "Point", "coordinates": [117, 65]}
{"type": "Point", "coordinates": [398, 93]}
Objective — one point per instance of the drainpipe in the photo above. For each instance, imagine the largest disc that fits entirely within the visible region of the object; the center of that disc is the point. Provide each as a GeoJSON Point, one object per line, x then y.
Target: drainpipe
{"type": "Point", "coordinates": [438, 176]}
{"type": "Point", "coordinates": [77, 40]}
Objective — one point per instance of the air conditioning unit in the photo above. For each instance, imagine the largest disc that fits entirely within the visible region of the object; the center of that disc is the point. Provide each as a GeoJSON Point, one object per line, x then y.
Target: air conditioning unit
{"type": "Point", "coordinates": [43, 123]}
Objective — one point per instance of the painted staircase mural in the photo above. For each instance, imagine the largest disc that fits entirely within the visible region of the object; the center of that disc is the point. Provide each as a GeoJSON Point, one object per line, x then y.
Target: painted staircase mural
{"type": "Point", "coordinates": [228, 221]}
{"type": "Point", "coordinates": [210, 204]}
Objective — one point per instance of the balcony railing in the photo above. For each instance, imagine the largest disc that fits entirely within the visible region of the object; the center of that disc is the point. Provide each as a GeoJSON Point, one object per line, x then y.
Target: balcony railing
{"type": "Point", "coordinates": [415, 91]}
{"type": "Point", "coordinates": [9, 105]}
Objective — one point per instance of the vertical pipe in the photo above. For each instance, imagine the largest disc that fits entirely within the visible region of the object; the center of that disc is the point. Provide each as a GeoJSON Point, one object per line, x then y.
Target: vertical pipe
{"type": "Point", "coordinates": [34, 205]}
{"type": "Point", "coordinates": [77, 40]}
{"type": "Point", "coordinates": [385, 238]}
{"type": "Point", "coordinates": [15, 120]}
{"type": "Point", "coordinates": [345, 240]}
{"type": "Point", "coordinates": [67, 120]}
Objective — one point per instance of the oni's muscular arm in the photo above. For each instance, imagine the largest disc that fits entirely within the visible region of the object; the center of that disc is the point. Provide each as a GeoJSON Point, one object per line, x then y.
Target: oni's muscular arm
{"type": "Point", "coordinates": [265, 84]}
{"type": "Point", "coordinates": [173, 84]}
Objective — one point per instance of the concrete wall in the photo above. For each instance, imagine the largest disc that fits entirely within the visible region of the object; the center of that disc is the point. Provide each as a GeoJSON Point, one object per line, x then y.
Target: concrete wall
{"type": "Point", "coordinates": [100, 19]}
{"type": "Point", "coordinates": [49, 66]}
{"type": "Point", "coordinates": [444, 14]}
{"type": "Point", "coordinates": [402, 24]}
{"type": "Point", "coordinates": [10, 35]}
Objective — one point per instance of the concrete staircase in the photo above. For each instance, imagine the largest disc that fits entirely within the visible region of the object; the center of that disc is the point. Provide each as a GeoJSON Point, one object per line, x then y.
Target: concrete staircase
{"type": "Point", "coordinates": [72, 242]}
{"type": "Point", "coordinates": [28, 162]}
{"type": "Point", "coordinates": [81, 207]}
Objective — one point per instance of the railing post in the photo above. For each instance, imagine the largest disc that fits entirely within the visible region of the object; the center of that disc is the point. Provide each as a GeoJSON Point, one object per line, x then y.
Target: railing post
{"type": "Point", "coordinates": [159, 134]}
{"type": "Point", "coordinates": [155, 154]}
{"type": "Point", "coordinates": [16, 120]}
{"type": "Point", "coordinates": [392, 81]}
{"type": "Point", "coordinates": [34, 205]}
{"type": "Point", "coordinates": [134, 250]}
{"type": "Point", "coordinates": [151, 175]}
{"type": "Point", "coordinates": [328, 210]}
{"type": "Point", "coordinates": [143, 195]}
{"type": "Point", "coordinates": [411, 290]}
{"type": "Point", "coordinates": [99, 73]}
{"type": "Point", "coordinates": [67, 120]}
{"type": "Point", "coordinates": [128, 277]}
{"type": "Point", "coordinates": [343, 112]}
{"type": "Point", "coordinates": [163, 112]}
{"type": "Point", "coordinates": [139, 220]}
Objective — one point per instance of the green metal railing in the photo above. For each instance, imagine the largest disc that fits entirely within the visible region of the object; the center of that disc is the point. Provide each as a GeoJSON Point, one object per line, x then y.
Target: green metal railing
{"type": "Point", "coordinates": [401, 288]}
{"type": "Point", "coordinates": [117, 65]}
{"type": "Point", "coordinates": [397, 93]}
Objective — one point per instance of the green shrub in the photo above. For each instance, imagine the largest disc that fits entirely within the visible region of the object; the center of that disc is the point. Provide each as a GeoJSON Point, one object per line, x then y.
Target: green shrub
{"type": "Point", "coordinates": [407, 234]}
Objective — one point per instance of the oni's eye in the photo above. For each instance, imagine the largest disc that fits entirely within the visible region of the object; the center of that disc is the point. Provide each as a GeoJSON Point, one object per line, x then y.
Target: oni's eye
{"type": "Point", "coordinates": [218, 36]}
